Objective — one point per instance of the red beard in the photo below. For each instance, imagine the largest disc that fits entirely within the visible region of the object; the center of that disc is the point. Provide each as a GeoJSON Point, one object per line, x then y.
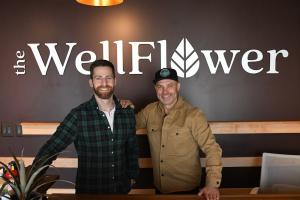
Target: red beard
{"type": "Point", "coordinates": [104, 94]}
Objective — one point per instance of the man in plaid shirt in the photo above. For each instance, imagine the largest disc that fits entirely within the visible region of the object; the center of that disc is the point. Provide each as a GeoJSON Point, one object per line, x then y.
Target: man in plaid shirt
{"type": "Point", "coordinates": [104, 137]}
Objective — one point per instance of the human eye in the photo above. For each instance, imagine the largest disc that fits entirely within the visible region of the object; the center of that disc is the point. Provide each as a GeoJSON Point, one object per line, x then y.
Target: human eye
{"type": "Point", "coordinates": [171, 85]}
{"type": "Point", "coordinates": [98, 78]}
{"type": "Point", "coordinates": [158, 86]}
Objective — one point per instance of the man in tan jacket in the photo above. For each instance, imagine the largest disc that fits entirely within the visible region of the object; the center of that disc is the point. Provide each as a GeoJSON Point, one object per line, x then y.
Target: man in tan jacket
{"type": "Point", "coordinates": [177, 132]}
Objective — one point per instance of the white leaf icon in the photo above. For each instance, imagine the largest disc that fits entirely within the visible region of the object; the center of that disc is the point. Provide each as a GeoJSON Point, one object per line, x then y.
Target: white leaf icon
{"type": "Point", "coordinates": [185, 60]}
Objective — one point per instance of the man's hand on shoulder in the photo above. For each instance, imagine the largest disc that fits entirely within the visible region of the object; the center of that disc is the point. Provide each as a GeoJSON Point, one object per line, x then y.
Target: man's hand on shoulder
{"type": "Point", "coordinates": [210, 193]}
{"type": "Point", "coordinates": [125, 103]}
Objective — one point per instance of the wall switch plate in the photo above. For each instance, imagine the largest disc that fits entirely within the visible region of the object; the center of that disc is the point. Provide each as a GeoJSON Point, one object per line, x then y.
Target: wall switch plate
{"type": "Point", "coordinates": [19, 130]}
{"type": "Point", "coordinates": [7, 129]}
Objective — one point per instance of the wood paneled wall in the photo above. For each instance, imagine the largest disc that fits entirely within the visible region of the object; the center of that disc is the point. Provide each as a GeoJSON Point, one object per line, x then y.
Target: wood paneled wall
{"type": "Point", "coordinates": [242, 142]}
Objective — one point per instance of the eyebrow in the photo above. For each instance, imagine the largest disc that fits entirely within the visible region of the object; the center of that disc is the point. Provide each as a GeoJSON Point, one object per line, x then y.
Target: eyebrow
{"type": "Point", "coordinates": [169, 84]}
{"type": "Point", "coordinates": [103, 76]}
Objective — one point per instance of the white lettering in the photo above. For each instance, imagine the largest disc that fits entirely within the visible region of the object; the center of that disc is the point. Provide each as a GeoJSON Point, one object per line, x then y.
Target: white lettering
{"type": "Point", "coordinates": [215, 58]}
{"type": "Point", "coordinates": [136, 57]}
{"type": "Point", "coordinates": [246, 60]}
{"type": "Point", "coordinates": [20, 66]}
{"type": "Point", "coordinates": [105, 49]}
{"type": "Point", "coordinates": [163, 53]}
{"type": "Point", "coordinates": [221, 60]}
{"type": "Point", "coordinates": [120, 67]}
{"type": "Point", "coordinates": [273, 55]}
{"type": "Point", "coordinates": [79, 61]}
{"type": "Point", "coordinates": [53, 55]}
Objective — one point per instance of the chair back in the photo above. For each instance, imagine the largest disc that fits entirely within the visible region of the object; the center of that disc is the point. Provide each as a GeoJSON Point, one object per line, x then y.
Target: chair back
{"type": "Point", "coordinates": [280, 173]}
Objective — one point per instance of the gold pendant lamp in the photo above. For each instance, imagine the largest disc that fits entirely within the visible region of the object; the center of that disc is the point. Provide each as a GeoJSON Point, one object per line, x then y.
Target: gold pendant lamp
{"type": "Point", "coordinates": [100, 2]}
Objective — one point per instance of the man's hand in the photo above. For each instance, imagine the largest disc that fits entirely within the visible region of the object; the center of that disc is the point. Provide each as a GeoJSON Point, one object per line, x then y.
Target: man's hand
{"type": "Point", "coordinates": [210, 193]}
{"type": "Point", "coordinates": [126, 103]}
{"type": "Point", "coordinates": [132, 182]}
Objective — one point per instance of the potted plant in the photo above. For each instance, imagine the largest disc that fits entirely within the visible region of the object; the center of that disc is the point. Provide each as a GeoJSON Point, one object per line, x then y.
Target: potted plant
{"type": "Point", "coordinates": [26, 183]}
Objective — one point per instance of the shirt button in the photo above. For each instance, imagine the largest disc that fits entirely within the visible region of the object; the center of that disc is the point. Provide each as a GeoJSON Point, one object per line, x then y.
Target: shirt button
{"type": "Point", "coordinates": [112, 139]}
{"type": "Point", "coordinates": [108, 127]}
{"type": "Point", "coordinates": [112, 152]}
{"type": "Point", "coordinates": [113, 178]}
{"type": "Point", "coordinates": [103, 115]}
{"type": "Point", "coordinates": [161, 161]}
{"type": "Point", "coordinates": [162, 174]}
{"type": "Point", "coordinates": [162, 146]}
{"type": "Point", "coordinates": [113, 165]}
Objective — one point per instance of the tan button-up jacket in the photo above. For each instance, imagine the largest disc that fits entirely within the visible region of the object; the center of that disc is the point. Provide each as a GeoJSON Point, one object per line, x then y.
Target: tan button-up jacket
{"type": "Point", "coordinates": [175, 140]}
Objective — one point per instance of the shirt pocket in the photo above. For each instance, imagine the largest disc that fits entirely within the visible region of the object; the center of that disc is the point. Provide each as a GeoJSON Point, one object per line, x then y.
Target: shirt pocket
{"type": "Point", "coordinates": [153, 130]}
{"type": "Point", "coordinates": [154, 135]}
{"type": "Point", "coordinates": [179, 142]}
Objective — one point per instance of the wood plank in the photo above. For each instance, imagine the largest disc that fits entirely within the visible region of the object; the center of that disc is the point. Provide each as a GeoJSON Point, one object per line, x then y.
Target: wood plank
{"type": "Point", "coordinates": [223, 191]}
{"type": "Point", "coordinates": [72, 191]}
{"type": "Point", "coordinates": [255, 127]}
{"type": "Point", "coordinates": [48, 128]}
{"type": "Point", "coordinates": [227, 162]}
{"type": "Point", "coordinates": [60, 191]}
{"type": "Point", "coordinates": [39, 128]}
{"type": "Point", "coordinates": [147, 163]}
{"type": "Point", "coordinates": [231, 191]}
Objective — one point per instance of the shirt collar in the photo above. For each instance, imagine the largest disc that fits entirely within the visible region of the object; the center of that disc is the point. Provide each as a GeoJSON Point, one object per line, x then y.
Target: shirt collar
{"type": "Point", "coordinates": [93, 104]}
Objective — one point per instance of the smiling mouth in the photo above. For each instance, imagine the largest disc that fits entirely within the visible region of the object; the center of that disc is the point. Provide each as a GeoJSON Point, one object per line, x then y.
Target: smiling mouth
{"type": "Point", "coordinates": [104, 89]}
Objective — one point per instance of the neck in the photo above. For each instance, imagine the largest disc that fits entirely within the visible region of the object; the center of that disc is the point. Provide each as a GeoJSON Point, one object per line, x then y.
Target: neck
{"type": "Point", "coordinates": [105, 104]}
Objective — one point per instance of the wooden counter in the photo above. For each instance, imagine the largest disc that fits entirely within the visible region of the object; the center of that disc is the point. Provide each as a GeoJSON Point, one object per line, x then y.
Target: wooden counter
{"type": "Point", "coordinates": [173, 197]}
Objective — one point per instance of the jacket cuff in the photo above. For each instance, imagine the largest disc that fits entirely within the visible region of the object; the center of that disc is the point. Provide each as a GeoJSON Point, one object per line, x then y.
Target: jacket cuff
{"type": "Point", "coordinates": [213, 182]}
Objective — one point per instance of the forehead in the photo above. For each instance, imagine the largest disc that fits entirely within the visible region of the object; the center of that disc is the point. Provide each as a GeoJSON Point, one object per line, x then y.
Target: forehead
{"type": "Point", "coordinates": [102, 71]}
{"type": "Point", "coordinates": [166, 82]}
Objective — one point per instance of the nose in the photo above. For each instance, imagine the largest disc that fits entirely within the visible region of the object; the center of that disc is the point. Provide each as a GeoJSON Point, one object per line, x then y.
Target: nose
{"type": "Point", "coordinates": [165, 91]}
{"type": "Point", "coordinates": [104, 82]}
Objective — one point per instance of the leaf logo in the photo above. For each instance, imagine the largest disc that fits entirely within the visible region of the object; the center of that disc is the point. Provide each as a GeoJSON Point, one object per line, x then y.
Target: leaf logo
{"type": "Point", "coordinates": [185, 60]}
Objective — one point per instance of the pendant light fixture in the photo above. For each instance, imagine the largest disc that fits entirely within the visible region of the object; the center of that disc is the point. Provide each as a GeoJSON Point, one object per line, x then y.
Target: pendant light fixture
{"type": "Point", "coordinates": [100, 2]}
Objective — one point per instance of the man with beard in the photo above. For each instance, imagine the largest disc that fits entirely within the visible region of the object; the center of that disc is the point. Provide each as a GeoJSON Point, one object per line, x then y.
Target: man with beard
{"type": "Point", "coordinates": [104, 137]}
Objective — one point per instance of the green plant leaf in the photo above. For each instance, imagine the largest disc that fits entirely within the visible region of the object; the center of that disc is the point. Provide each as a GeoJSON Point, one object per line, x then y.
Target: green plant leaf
{"type": "Point", "coordinates": [40, 163]}
{"type": "Point", "coordinates": [40, 185]}
{"type": "Point", "coordinates": [30, 179]}
{"type": "Point", "coordinates": [37, 196]}
{"type": "Point", "coordinates": [22, 175]}
{"type": "Point", "coordinates": [33, 176]}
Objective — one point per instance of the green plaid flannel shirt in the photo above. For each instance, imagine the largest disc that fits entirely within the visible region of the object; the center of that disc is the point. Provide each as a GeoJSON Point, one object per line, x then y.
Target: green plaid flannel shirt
{"type": "Point", "coordinates": [106, 160]}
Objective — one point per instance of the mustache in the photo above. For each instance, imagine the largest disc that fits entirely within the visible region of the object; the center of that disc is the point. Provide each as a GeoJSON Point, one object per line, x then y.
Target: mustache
{"type": "Point", "coordinates": [104, 87]}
